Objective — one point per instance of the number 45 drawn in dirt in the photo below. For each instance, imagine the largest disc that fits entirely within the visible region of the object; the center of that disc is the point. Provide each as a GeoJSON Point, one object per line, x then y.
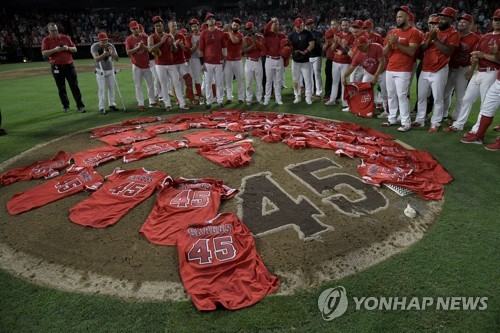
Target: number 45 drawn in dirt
{"type": "Point", "coordinates": [266, 207]}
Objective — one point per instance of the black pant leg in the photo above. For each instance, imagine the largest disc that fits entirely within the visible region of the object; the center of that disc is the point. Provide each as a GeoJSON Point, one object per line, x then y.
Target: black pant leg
{"type": "Point", "coordinates": [59, 77]}
{"type": "Point", "coordinates": [263, 59]}
{"type": "Point", "coordinates": [71, 76]}
{"type": "Point", "coordinates": [328, 74]}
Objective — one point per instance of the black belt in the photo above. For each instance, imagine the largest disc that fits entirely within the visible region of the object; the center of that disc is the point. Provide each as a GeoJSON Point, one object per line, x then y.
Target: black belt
{"type": "Point", "coordinates": [274, 58]}
{"type": "Point", "coordinates": [253, 59]}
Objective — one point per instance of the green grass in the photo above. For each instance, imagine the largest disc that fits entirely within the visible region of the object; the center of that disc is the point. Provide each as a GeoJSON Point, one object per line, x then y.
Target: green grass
{"type": "Point", "coordinates": [459, 256]}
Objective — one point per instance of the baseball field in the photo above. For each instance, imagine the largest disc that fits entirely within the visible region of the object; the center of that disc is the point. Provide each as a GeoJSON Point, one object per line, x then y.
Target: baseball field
{"type": "Point", "coordinates": [445, 280]}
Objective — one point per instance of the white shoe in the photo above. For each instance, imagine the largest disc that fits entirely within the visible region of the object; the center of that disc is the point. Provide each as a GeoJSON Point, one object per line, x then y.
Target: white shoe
{"type": "Point", "coordinates": [383, 115]}
{"type": "Point", "coordinates": [297, 100]}
{"type": "Point", "coordinates": [330, 102]}
{"type": "Point", "coordinates": [345, 109]}
{"type": "Point", "coordinates": [265, 103]}
{"type": "Point", "coordinates": [404, 128]}
{"type": "Point", "coordinates": [309, 101]}
{"type": "Point", "coordinates": [279, 102]}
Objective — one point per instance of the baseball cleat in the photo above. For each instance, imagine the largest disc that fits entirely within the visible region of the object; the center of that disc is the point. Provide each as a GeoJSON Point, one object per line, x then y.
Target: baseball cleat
{"type": "Point", "coordinates": [81, 109]}
{"type": "Point", "coordinates": [387, 124]}
{"type": "Point", "coordinates": [433, 129]}
{"type": "Point", "coordinates": [154, 105]}
{"type": "Point", "coordinates": [472, 139]}
{"type": "Point", "coordinates": [494, 146]}
{"type": "Point", "coordinates": [383, 115]}
{"type": "Point", "coordinates": [140, 108]}
{"type": "Point", "coordinates": [297, 100]}
{"type": "Point", "coordinates": [66, 110]}
{"type": "Point", "coordinates": [113, 108]}
{"type": "Point", "coordinates": [451, 129]}
{"type": "Point", "coordinates": [102, 111]}
{"type": "Point", "coordinates": [416, 124]}
{"type": "Point", "coordinates": [404, 128]}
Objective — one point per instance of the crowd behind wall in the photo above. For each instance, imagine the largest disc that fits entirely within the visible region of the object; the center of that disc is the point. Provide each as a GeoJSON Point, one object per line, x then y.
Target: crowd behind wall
{"type": "Point", "coordinates": [22, 31]}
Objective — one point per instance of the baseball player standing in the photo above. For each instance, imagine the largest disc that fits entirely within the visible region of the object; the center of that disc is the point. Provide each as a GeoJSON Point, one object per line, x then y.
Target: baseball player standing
{"type": "Point", "coordinates": [459, 66]}
{"type": "Point", "coordinates": [302, 45]}
{"type": "Point", "coordinates": [234, 64]}
{"type": "Point", "coordinates": [213, 53]}
{"type": "Point", "coordinates": [274, 65]}
{"type": "Point", "coordinates": [104, 53]}
{"type": "Point", "coordinates": [253, 45]}
{"type": "Point", "coordinates": [162, 45]}
{"type": "Point", "coordinates": [315, 59]}
{"type": "Point", "coordinates": [193, 42]}
{"type": "Point", "coordinates": [484, 59]}
{"type": "Point", "coordinates": [58, 49]}
{"type": "Point", "coordinates": [400, 46]}
{"type": "Point", "coordinates": [137, 50]}
{"type": "Point", "coordinates": [329, 37]}
{"type": "Point", "coordinates": [439, 44]}
{"type": "Point", "coordinates": [341, 45]}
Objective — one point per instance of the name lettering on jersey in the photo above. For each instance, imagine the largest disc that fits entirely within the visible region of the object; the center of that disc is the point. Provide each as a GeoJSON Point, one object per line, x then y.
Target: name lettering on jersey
{"type": "Point", "coordinates": [41, 169]}
{"type": "Point", "coordinates": [209, 230]}
{"type": "Point", "coordinates": [98, 159]}
{"type": "Point", "coordinates": [206, 186]}
{"type": "Point", "coordinates": [141, 178]}
{"type": "Point", "coordinates": [157, 148]}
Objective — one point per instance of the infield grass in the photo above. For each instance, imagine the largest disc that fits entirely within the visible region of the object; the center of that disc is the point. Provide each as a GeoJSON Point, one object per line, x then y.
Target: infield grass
{"type": "Point", "coordinates": [459, 256]}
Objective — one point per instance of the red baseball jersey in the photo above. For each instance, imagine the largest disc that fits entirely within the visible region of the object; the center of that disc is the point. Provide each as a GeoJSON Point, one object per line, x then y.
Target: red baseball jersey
{"type": "Point", "coordinates": [340, 56]}
{"type": "Point", "coordinates": [107, 130]}
{"type": "Point", "coordinates": [152, 147]}
{"type": "Point", "coordinates": [433, 60]}
{"type": "Point", "coordinates": [234, 49]}
{"type": "Point", "coordinates": [95, 156]}
{"type": "Point", "coordinates": [141, 57]}
{"type": "Point", "coordinates": [375, 38]}
{"type": "Point", "coordinates": [185, 201]}
{"type": "Point", "coordinates": [179, 57]}
{"type": "Point", "coordinates": [219, 264]}
{"type": "Point", "coordinates": [126, 138]}
{"type": "Point", "coordinates": [272, 40]}
{"type": "Point", "coordinates": [166, 128]}
{"type": "Point", "coordinates": [58, 58]}
{"type": "Point", "coordinates": [72, 182]}
{"type": "Point", "coordinates": [370, 60]}
{"type": "Point", "coordinates": [461, 55]}
{"type": "Point", "coordinates": [164, 53]}
{"type": "Point", "coordinates": [211, 44]}
{"type": "Point", "coordinates": [46, 169]}
{"type": "Point", "coordinates": [259, 47]}
{"type": "Point", "coordinates": [213, 138]}
{"type": "Point", "coordinates": [232, 155]}
{"type": "Point", "coordinates": [359, 97]}
{"type": "Point", "coordinates": [397, 60]}
{"type": "Point", "coordinates": [123, 190]}
{"type": "Point", "coordinates": [484, 45]}
{"type": "Point", "coordinates": [138, 121]}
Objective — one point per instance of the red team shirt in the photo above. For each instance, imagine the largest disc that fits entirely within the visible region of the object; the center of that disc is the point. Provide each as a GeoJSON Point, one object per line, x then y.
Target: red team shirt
{"type": "Point", "coordinates": [123, 190]}
{"type": "Point", "coordinates": [46, 169]}
{"type": "Point", "coordinates": [339, 56]}
{"type": "Point", "coordinates": [166, 128]}
{"type": "Point", "coordinates": [126, 138]}
{"type": "Point", "coordinates": [178, 205]}
{"type": "Point", "coordinates": [108, 130]}
{"type": "Point", "coordinates": [485, 43]}
{"type": "Point", "coordinates": [272, 40]}
{"type": "Point", "coordinates": [231, 155]}
{"type": "Point", "coordinates": [179, 56]}
{"type": "Point", "coordinates": [219, 264]}
{"type": "Point", "coordinates": [212, 138]}
{"type": "Point", "coordinates": [359, 97]}
{"type": "Point", "coordinates": [211, 44]}
{"type": "Point", "coordinates": [153, 147]}
{"type": "Point", "coordinates": [461, 55]}
{"type": "Point", "coordinates": [433, 60]}
{"type": "Point", "coordinates": [95, 156]}
{"type": "Point", "coordinates": [397, 60]}
{"type": "Point", "coordinates": [141, 57]}
{"type": "Point", "coordinates": [369, 61]}
{"type": "Point", "coordinates": [58, 58]}
{"type": "Point", "coordinates": [257, 50]}
{"type": "Point", "coordinates": [64, 186]}
{"type": "Point", "coordinates": [234, 50]}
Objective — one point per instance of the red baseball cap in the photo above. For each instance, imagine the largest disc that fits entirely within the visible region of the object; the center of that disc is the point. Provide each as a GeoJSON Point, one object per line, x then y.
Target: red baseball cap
{"type": "Point", "coordinates": [237, 20]}
{"type": "Point", "coordinates": [466, 17]}
{"type": "Point", "coordinates": [309, 21]}
{"type": "Point", "coordinates": [368, 24]}
{"type": "Point", "coordinates": [218, 23]}
{"type": "Point", "coordinates": [358, 24]}
{"type": "Point", "coordinates": [435, 19]}
{"type": "Point", "coordinates": [412, 17]}
{"type": "Point", "coordinates": [405, 9]}
{"type": "Point", "coordinates": [194, 21]}
{"type": "Point", "coordinates": [496, 14]}
{"type": "Point", "coordinates": [157, 19]}
{"type": "Point", "coordinates": [209, 15]}
{"type": "Point", "coordinates": [450, 12]}
{"type": "Point", "coordinates": [249, 25]}
{"type": "Point", "coordinates": [102, 36]}
{"type": "Point", "coordinates": [360, 41]}
{"type": "Point", "coordinates": [298, 22]}
{"type": "Point", "coordinates": [183, 32]}
{"type": "Point", "coordinates": [133, 24]}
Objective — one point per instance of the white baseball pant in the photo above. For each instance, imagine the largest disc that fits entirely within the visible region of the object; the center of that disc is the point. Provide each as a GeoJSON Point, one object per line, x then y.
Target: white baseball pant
{"type": "Point", "coordinates": [139, 74]}
{"type": "Point", "coordinates": [316, 63]}
{"type": "Point", "coordinates": [302, 70]}
{"type": "Point", "coordinates": [436, 82]}
{"type": "Point", "coordinates": [234, 68]}
{"type": "Point", "coordinates": [274, 77]}
{"type": "Point", "coordinates": [458, 83]}
{"type": "Point", "coordinates": [253, 72]}
{"type": "Point", "coordinates": [156, 79]}
{"type": "Point", "coordinates": [105, 82]}
{"type": "Point", "coordinates": [214, 72]}
{"type": "Point", "coordinates": [367, 77]}
{"type": "Point", "coordinates": [338, 71]}
{"type": "Point", "coordinates": [398, 84]}
{"type": "Point", "coordinates": [168, 74]}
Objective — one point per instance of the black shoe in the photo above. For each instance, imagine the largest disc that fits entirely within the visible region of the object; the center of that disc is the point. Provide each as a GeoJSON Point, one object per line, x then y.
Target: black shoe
{"type": "Point", "coordinates": [81, 109]}
{"type": "Point", "coordinates": [102, 111]}
{"type": "Point", "coordinates": [66, 109]}
{"type": "Point", "coordinates": [2, 132]}
{"type": "Point", "coordinates": [221, 105]}
{"type": "Point", "coordinates": [113, 108]}
{"type": "Point", "coordinates": [208, 106]}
